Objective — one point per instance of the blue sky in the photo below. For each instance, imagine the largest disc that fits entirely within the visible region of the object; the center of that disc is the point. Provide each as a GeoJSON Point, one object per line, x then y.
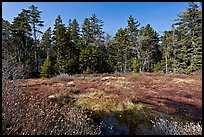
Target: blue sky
{"type": "Point", "coordinates": [113, 14]}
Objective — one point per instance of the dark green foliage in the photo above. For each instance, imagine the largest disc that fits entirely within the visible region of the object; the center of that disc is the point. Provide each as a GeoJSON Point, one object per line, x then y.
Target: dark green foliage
{"type": "Point", "coordinates": [92, 53]}
{"type": "Point", "coordinates": [67, 49]}
{"type": "Point", "coordinates": [159, 67]}
{"type": "Point", "coordinates": [167, 50]}
{"type": "Point", "coordinates": [45, 44]}
{"type": "Point", "coordinates": [121, 50]}
{"type": "Point", "coordinates": [6, 37]}
{"type": "Point", "coordinates": [188, 40]}
{"type": "Point", "coordinates": [36, 23]}
{"type": "Point", "coordinates": [21, 32]}
{"type": "Point", "coordinates": [60, 44]}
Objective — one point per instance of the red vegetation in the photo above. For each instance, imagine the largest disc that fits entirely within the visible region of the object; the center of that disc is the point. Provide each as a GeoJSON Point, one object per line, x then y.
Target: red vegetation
{"type": "Point", "coordinates": [169, 93]}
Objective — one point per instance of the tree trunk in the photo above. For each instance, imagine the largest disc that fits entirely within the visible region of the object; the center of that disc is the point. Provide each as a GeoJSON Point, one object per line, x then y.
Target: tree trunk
{"type": "Point", "coordinates": [166, 61]}
{"type": "Point", "coordinates": [125, 67]}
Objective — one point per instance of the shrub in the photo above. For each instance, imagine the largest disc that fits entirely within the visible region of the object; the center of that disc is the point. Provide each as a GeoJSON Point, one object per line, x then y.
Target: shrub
{"type": "Point", "coordinates": [46, 68]}
{"type": "Point", "coordinates": [24, 114]}
{"type": "Point", "coordinates": [11, 69]}
{"type": "Point", "coordinates": [64, 77]}
{"type": "Point", "coordinates": [88, 71]}
{"type": "Point", "coordinates": [135, 65]}
{"type": "Point", "coordinates": [166, 127]}
{"type": "Point", "coordinates": [160, 66]}
{"type": "Point", "coordinates": [70, 66]}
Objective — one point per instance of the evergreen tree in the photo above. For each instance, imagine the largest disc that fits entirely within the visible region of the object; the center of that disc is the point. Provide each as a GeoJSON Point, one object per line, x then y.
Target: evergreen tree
{"type": "Point", "coordinates": [7, 45]}
{"type": "Point", "coordinates": [132, 40]}
{"type": "Point", "coordinates": [37, 23]}
{"type": "Point", "coordinates": [67, 50]}
{"type": "Point", "coordinates": [167, 51]}
{"type": "Point", "coordinates": [188, 55]}
{"type": "Point", "coordinates": [21, 32]}
{"type": "Point", "coordinates": [87, 34]}
{"type": "Point", "coordinates": [149, 54]}
{"type": "Point", "coordinates": [46, 42]}
{"type": "Point", "coordinates": [96, 29]}
{"type": "Point", "coordinates": [97, 45]}
{"type": "Point", "coordinates": [111, 53]}
{"type": "Point", "coordinates": [73, 31]}
{"type": "Point", "coordinates": [92, 35]}
{"type": "Point", "coordinates": [121, 41]}
{"type": "Point", "coordinates": [60, 45]}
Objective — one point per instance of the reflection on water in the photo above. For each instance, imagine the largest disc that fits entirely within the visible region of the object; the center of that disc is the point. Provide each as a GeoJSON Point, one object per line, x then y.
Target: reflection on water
{"type": "Point", "coordinates": [125, 123]}
{"type": "Point", "coordinates": [111, 126]}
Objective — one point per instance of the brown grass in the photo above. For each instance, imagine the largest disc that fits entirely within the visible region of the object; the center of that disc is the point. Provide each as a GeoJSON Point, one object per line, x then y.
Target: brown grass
{"type": "Point", "coordinates": [172, 94]}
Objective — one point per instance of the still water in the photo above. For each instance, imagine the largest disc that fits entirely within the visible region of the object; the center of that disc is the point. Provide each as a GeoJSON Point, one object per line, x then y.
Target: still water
{"type": "Point", "coordinates": [125, 123]}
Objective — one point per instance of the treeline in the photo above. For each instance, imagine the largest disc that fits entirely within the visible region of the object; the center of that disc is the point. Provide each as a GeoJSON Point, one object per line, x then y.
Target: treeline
{"type": "Point", "coordinates": [71, 49]}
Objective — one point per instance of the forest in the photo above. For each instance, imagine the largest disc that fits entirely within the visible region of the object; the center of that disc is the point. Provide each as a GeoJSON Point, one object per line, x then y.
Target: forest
{"type": "Point", "coordinates": [76, 79]}
{"type": "Point", "coordinates": [72, 49]}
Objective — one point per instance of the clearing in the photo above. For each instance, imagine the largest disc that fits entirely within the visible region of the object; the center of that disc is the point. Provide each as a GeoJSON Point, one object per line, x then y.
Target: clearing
{"type": "Point", "coordinates": [170, 94]}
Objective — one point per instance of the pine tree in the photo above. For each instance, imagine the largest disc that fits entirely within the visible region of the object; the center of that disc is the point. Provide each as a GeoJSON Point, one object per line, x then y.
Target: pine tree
{"type": "Point", "coordinates": [73, 31]}
{"type": "Point", "coordinates": [121, 42]}
{"type": "Point", "coordinates": [97, 45]}
{"type": "Point", "coordinates": [21, 32]}
{"type": "Point", "coordinates": [167, 50]}
{"type": "Point", "coordinates": [132, 40]}
{"type": "Point", "coordinates": [7, 45]}
{"type": "Point", "coordinates": [111, 53]}
{"type": "Point", "coordinates": [92, 35]}
{"type": "Point", "coordinates": [188, 49]}
{"type": "Point", "coordinates": [46, 42]}
{"type": "Point", "coordinates": [87, 35]}
{"type": "Point", "coordinates": [60, 45]}
{"type": "Point", "coordinates": [96, 28]}
{"type": "Point", "coordinates": [36, 22]}
{"type": "Point", "coordinates": [149, 49]}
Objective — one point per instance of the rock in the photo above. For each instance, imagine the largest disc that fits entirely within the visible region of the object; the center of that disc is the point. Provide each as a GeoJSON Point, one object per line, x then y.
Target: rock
{"type": "Point", "coordinates": [51, 96]}
{"type": "Point", "coordinates": [71, 84]}
{"type": "Point", "coordinates": [54, 96]}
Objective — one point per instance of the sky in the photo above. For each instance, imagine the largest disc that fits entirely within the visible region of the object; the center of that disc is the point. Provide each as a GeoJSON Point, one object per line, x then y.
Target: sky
{"type": "Point", "coordinates": [114, 14]}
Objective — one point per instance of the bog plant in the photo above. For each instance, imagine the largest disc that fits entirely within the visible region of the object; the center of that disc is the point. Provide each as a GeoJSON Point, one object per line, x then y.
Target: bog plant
{"type": "Point", "coordinates": [165, 127]}
{"type": "Point", "coordinates": [101, 102]}
{"type": "Point", "coordinates": [64, 77]}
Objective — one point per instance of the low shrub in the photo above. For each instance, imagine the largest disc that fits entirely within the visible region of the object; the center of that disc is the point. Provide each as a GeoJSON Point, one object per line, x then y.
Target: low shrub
{"type": "Point", "coordinates": [166, 127]}
{"type": "Point", "coordinates": [64, 77]}
{"type": "Point", "coordinates": [23, 114]}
